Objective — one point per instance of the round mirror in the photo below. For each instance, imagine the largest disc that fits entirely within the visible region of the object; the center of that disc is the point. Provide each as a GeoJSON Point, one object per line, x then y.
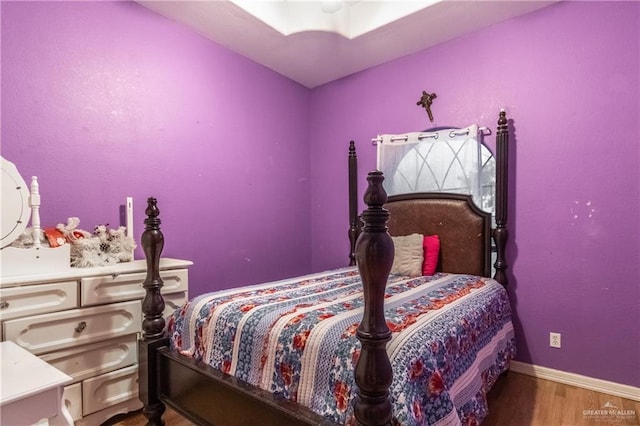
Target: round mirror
{"type": "Point", "coordinates": [15, 203]}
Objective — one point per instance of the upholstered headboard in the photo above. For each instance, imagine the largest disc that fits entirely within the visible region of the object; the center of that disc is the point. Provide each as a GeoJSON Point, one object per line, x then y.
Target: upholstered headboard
{"type": "Point", "coordinates": [464, 229]}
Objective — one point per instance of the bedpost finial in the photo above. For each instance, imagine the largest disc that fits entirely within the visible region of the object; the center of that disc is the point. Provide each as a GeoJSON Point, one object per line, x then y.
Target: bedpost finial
{"type": "Point", "coordinates": [152, 221]}
{"type": "Point", "coordinates": [502, 120]}
{"type": "Point", "coordinates": [152, 207]}
{"type": "Point", "coordinates": [352, 148]}
{"type": "Point", "coordinates": [375, 195]}
{"type": "Point", "coordinates": [375, 217]}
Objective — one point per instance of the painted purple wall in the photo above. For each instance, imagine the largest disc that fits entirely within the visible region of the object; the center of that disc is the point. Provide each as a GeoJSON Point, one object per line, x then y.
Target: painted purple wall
{"type": "Point", "coordinates": [104, 100]}
{"type": "Point", "coordinates": [568, 76]}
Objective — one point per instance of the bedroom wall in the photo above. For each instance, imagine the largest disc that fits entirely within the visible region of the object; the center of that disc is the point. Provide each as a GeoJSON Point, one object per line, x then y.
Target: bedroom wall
{"type": "Point", "coordinates": [104, 100]}
{"type": "Point", "coordinates": [568, 76]}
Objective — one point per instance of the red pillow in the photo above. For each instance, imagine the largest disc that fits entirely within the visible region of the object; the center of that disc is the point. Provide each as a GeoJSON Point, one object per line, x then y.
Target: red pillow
{"type": "Point", "coordinates": [431, 246]}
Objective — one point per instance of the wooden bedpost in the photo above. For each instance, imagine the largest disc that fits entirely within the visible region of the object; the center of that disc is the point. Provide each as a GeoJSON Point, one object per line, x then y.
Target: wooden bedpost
{"type": "Point", "coordinates": [153, 335]}
{"type": "Point", "coordinates": [374, 255]}
{"type": "Point", "coordinates": [501, 233]}
{"type": "Point", "coordinates": [353, 203]}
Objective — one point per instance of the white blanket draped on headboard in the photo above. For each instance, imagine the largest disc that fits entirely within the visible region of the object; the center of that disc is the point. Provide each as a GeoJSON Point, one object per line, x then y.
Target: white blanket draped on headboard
{"type": "Point", "coordinates": [448, 160]}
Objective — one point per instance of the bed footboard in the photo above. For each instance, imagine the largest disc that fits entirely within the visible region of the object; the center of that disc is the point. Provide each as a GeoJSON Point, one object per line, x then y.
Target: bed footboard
{"type": "Point", "coordinates": [165, 377]}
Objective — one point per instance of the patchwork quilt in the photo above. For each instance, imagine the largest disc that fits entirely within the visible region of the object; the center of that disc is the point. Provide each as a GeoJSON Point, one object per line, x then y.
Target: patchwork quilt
{"type": "Point", "coordinates": [452, 336]}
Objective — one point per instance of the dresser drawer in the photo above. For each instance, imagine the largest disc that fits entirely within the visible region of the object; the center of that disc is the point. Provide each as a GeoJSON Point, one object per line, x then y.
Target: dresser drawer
{"type": "Point", "coordinates": [117, 288]}
{"type": "Point", "coordinates": [109, 389]}
{"type": "Point", "coordinates": [45, 333]}
{"type": "Point", "coordinates": [103, 417]}
{"type": "Point", "coordinates": [37, 299]}
{"type": "Point", "coordinates": [91, 360]}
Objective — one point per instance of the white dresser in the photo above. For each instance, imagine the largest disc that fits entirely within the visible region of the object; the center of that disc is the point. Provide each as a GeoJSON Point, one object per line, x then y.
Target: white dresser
{"type": "Point", "coordinates": [85, 322]}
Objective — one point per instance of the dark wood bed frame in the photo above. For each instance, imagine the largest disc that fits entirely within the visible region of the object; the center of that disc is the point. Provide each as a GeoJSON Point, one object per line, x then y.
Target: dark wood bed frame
{"type": "Point", "coordinates": [207, 396]}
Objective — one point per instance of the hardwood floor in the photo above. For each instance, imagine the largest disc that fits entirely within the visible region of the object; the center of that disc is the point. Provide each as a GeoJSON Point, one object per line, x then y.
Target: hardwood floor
{"type": "Point", "coordinates": [519, 400]}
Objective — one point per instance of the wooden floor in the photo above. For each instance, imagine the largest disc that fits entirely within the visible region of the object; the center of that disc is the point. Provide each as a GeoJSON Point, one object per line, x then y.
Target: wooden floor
{"type": "Point", "coordinates": [519, 400]}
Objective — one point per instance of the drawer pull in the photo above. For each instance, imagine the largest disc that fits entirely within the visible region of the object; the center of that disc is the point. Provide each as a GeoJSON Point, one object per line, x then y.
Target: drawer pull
{"type": "Point", "coordinates": [4, 305]}
{"type": "Point", "coordinates": [81, 327]}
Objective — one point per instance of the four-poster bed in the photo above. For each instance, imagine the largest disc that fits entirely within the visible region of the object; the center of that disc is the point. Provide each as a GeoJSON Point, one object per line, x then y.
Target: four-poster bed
{"type": "Point", "coordinates": [172, 370]}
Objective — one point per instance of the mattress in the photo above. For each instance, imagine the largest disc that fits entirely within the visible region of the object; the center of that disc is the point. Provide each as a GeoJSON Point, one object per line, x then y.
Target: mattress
{"type": "Point", "coordinates": [452, 336]}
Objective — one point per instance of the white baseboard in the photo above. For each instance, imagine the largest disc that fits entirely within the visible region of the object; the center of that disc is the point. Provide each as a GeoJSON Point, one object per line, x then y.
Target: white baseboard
{"type": "Point", "coordinates": [598, 385]}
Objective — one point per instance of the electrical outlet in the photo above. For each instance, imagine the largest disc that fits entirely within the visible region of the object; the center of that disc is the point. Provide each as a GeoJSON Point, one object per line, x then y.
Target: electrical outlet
{"type": "Point", "coordinates": [555, 340]}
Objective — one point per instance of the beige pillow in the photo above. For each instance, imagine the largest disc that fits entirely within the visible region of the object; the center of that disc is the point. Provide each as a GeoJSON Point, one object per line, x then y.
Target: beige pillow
{"type": "Point", "coordinates": [409, 255]}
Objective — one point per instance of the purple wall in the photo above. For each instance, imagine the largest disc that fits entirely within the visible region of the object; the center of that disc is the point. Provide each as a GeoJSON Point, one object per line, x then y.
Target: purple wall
{"type": "Point", "coordinates": [90, 87]}
{"type": "Point", "coordinates": [568, 76]}
{"type": "Point", "coordinates": [104, 100]}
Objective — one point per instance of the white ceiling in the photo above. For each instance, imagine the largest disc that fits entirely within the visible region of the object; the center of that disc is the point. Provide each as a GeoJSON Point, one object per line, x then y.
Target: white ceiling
{"type": "Point", "coordinates": [315, 42]}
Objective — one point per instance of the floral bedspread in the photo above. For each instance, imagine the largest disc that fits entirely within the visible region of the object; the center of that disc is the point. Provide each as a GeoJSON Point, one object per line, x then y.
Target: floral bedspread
{"type": "Point", "coordinates": [452, 337]}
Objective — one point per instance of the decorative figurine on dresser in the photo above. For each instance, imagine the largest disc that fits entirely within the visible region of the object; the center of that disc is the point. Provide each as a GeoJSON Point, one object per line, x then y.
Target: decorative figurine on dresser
{"type": "Point", "coordinates": [74, 301]}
